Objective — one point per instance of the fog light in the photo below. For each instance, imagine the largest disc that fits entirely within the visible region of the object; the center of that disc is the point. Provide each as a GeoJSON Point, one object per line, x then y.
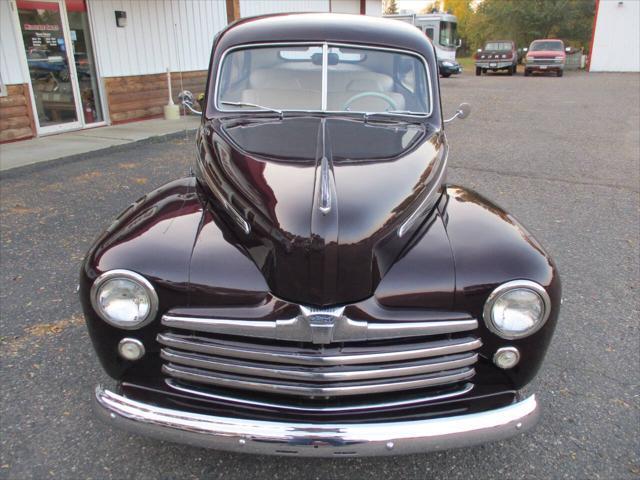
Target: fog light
{"type": "Point", "coordinates": [131, 349]}
{"type": "Point", "coordinates": [506, 357]}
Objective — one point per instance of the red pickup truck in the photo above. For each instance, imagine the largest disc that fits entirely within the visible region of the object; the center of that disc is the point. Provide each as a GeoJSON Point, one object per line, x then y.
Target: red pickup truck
{"type": "Point", "coordinates": [545, 55]}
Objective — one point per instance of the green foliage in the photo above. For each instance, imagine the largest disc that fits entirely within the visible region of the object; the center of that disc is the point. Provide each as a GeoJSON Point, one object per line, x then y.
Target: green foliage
{"type": "Point", "coordinates": [524, 21]}
{"type": "Point", "coordinates": [463, 12]}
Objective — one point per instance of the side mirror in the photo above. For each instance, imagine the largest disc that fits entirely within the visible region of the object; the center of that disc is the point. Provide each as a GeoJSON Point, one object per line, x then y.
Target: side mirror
{"type": "Point", "coordinates": [459, 43]}
{"type": "Point", "coordinates": [463, 111]}
{"type": "Point", "coordinates": [186, 98]}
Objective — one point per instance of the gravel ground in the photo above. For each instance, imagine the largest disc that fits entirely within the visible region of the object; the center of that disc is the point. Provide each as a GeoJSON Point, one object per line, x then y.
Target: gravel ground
{"type": "Point", "coordinates": [560, 153]}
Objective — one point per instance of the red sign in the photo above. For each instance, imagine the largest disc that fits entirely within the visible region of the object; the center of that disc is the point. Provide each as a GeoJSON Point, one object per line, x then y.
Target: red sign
{"type": "Point", "coordinates": [47, 28]}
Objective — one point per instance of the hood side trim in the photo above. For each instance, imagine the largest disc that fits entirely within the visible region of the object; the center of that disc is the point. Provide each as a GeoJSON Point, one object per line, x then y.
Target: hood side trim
{"type": "Point", "coordinates": [430, 198]}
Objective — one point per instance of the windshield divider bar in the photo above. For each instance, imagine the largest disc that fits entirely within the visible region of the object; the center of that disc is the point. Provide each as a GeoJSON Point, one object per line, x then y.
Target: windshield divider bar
{"type": "Point", "coordinates": [325, 67]}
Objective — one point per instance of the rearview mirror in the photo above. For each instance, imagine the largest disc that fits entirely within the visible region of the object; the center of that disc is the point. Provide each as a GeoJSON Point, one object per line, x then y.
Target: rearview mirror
{"type": "Point", "coordinates": [463, 111]}
{"type": "Point", "coordinates": [186, 98]}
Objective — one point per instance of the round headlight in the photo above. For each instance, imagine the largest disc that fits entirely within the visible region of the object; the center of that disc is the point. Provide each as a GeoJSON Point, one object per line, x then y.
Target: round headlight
{"type": "Point", "coordinates": [124, 299]}
{"type": "Point", "coordinates": [517, 309]}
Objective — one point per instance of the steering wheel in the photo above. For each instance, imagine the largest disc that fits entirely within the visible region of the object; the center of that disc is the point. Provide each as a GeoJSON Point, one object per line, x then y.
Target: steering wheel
{"type": "Point", "coordinates": [357, 96]}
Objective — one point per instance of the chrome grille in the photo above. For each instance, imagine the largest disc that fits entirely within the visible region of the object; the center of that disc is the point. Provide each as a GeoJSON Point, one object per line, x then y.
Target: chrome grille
{"type": "Point", "coordinates": [287, 357]}
{"type": "Point", "coordinates": [545, 61]}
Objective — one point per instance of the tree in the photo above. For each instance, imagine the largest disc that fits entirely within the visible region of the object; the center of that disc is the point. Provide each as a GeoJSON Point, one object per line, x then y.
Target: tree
{"type": "Point", "coordinates": [463, 12]}
{"type": "Point", "coordinates": [428, 8]}
{"type": "Point", "coordinates": [524, 21]}
{"type": "Point", "coordinates": [391, 7]}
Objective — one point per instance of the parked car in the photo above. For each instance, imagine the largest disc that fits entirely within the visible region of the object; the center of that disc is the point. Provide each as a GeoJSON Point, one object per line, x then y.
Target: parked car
{"type": "Point", "coordinates": [497, 55]}
{"type": "Point", "coordinates": [546, 55]}
{"type": "Point", "coordinates": [315, 287]}
{"type": "Point", "coordinates": [446, 68]}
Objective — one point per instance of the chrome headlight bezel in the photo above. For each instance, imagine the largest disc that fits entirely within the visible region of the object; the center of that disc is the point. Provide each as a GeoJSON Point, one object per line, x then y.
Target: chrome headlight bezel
{"type": "Point", "coordinates": [119, 274]}
{"type": "Point", "coordinates": [510, 286]}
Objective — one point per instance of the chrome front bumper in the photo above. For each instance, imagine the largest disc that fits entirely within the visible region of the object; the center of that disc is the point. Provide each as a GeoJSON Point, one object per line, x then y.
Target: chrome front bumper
{"type": "Point", "coordinates": [496, 65]}
{"type": "Point", "coordinates": [315, 440]}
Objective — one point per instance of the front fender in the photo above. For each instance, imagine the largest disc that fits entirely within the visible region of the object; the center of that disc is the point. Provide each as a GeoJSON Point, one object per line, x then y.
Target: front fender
{"type": "Point", "coordinates": [491, 247]}
{"type": "Point", "coordinates": [153, 237]}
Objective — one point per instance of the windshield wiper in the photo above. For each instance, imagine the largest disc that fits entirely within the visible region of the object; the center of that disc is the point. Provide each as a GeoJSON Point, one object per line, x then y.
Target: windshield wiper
{"type": "Point", "coordinates": [255, 105]}
{"type": "Point", "coordinates": [396, 113]}
{"type": "Point", "coordinates": [405, 112]}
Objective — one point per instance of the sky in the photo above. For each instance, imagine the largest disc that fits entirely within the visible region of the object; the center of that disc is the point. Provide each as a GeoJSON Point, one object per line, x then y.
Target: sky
{"type": "Point", "coordinates": [414, 5]}
{"type": "Point", "coordinates": [417, 5]}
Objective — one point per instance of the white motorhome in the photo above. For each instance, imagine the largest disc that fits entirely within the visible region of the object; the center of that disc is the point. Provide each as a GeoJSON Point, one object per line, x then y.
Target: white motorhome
{"type": "Point", "coordinates": [441, 28]}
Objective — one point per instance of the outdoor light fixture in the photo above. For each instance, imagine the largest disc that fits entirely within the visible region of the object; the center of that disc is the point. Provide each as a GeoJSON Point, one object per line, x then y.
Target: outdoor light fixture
{"type": "Point", "coordinates": [121, 18]}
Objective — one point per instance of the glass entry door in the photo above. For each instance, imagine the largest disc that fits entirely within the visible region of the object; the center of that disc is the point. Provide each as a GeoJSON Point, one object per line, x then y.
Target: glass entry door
{"type": "Point", "coordinates": [61, 66]}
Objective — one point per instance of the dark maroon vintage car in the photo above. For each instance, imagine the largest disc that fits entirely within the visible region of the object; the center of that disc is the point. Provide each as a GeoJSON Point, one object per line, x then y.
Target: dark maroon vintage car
{"type": "Point", "coordinates": [316, 288]}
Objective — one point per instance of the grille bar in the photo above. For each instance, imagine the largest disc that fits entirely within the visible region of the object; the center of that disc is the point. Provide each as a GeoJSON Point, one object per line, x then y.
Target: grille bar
{"type": "Point", "coordinates": [315, 374]}
{"type": "Point", "coordinates": [546, 61]}
{"type": "Point", "coordinates": [324, 358]}
{"type": "Point", "coordinates": [310, 390]}
{"type": "Point", "coordinates": [343, 407]}
{"type": "Point", "coordinates": [300, 329]}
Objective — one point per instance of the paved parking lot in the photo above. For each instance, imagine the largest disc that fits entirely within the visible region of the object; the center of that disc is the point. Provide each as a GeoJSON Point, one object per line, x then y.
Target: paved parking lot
{"type": "Point", "coordinates": [560, 153]}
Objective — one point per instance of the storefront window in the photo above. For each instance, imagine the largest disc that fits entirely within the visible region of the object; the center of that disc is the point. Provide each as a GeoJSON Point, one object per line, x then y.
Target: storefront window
{"type": "Point", "coordinates": [48, 60]}
{"type": "Point", "coordinates": [84, 60]}
{"type": "Point", "coordinates": [63, 94]}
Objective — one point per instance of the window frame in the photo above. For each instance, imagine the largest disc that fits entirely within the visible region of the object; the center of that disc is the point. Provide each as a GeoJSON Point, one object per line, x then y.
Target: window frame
{"type": "Point", "coordinates": [325, 49]}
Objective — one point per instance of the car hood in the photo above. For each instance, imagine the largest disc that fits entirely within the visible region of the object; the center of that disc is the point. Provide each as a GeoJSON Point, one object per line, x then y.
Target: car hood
{"type": "Point", "coordinates": [323, 198]}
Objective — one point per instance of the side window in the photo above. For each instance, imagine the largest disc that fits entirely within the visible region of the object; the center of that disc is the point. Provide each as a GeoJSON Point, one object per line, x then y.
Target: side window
{"type": "Point", "coordinates": [429, 32]}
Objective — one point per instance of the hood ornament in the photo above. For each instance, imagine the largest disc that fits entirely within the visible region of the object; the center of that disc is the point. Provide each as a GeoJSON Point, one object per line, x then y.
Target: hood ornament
{"type": "Point", "coordinates": [325, 186]}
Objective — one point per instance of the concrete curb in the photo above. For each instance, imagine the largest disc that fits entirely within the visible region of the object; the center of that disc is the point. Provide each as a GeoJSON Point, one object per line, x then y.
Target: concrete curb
{"type": "Point", "coordinates": [35, 167]}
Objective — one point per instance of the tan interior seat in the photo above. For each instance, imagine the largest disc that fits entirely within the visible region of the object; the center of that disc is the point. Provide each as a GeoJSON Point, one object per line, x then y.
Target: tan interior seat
{"type": "Point", "coordinates": [285, 99]}
{"type": "Point", "coordinates": [300, 88]}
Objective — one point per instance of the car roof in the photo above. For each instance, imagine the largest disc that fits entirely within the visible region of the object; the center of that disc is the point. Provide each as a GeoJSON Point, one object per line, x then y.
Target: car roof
{"type": "Point", "coordinates": [326, 27]}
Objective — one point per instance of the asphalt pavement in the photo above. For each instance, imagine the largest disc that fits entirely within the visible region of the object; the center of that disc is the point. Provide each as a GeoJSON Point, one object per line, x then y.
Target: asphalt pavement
{"type": "Point", "coordinates": [561, 154]}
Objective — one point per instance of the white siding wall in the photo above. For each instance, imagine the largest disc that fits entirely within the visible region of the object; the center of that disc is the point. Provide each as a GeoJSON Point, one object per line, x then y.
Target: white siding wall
{"type": "Point", "coordinates": [159, 34]}
{"type": "Point", "coordinates": [10, 48]}
{"type": "Point", "coordinates": [616, 42]}
{"type": "Point", "coordinates": [374, 8]}
{"type": "Point", "coordinates": [249, 8]}
{"type": "Point", "coordinates": [345, 6]}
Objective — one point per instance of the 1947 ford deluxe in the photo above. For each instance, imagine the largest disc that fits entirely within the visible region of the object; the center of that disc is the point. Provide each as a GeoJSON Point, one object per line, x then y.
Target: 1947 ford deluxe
{"type": "Point", "coordinates": [315, 287]}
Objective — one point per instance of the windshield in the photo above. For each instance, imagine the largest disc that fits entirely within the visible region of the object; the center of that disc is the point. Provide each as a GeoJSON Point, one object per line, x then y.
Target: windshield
{"type": "Point", "coordinates": [448, 34]}
{"type": "Point", "coordinates": [499, 46]}
{"type": "Point", "coordinates": [291, 78]}
{"type": "Point", "coordinates": [547, 45]}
